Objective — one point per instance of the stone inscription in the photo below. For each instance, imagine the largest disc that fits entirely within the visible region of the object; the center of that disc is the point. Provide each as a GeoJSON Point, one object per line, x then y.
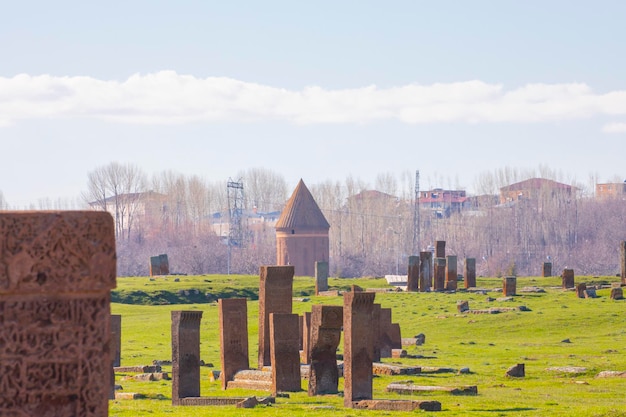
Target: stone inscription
{"type": "Point", "coordinates": [233, 318]}
{"type": "Point", "coordinates": [56, 273]}
{"type": "Point", "coordinates": [326, 323]}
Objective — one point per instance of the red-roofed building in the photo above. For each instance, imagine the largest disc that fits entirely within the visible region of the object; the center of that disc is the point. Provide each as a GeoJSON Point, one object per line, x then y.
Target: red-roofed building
{"type": "Point", "coordinates": [535, 189]}
{"type": "Point", "coordinates": [442, 203]}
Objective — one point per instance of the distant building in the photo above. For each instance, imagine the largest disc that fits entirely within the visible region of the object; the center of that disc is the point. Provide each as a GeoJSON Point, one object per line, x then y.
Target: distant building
{"type": "Point", "coordinates": [615, 190]}
{"type": "Point", "coordinates": [442, 203]}
{"type": "Point", "coordinates": [536, 189]}
{"type": "Point", "coordinates": [302, 233]}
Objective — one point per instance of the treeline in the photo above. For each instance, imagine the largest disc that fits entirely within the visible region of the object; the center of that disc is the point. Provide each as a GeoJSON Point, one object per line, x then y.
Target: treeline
{"type": "Point", "coordinates": [371, 234]}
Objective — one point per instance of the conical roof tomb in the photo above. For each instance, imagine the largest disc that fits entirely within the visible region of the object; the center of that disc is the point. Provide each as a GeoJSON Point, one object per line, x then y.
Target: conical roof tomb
{"type": "Point", "coordinates": [302, 233]}
{"type": "Point", "coordinates": [301, 211]}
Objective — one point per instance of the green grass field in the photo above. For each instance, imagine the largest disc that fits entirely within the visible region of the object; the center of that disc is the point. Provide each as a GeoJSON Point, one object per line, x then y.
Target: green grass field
{"type": "Point", "coordinates": [486, 343]}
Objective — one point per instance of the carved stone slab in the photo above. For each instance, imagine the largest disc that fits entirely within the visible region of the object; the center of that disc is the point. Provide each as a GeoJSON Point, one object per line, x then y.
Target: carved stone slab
{"type": "Point", "coordinates": [56, 273]}
{"type": "Point", "coordinates": [326, 323]}
{"type": "Point", "coordinates": [358, 346]}
{"type": "Point", "coordinates": [439, 283]}
{"type": "Point", "coordinates": [275, 296]}
{"type": "Point", "coordinates": [412, 282]}
{"type": "Point", "coordinates": [451, 272]}
{"type": "Point", "coordinates": [321, 276]}
{"type": "Point", "coordinates": [233, 318]}
{"type": "Point", "coordinates": [284, 351]}
{"type": "Point", "coordinates": [426, 279]}
{"type": "Point", "coordinates": [469, 278]}
{"type": "Point", "coordinates": [185, 355]}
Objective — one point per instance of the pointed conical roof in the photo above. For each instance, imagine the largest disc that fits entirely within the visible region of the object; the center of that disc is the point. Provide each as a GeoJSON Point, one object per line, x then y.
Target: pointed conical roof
{"type": "Point", "coordinates": [301, 211]}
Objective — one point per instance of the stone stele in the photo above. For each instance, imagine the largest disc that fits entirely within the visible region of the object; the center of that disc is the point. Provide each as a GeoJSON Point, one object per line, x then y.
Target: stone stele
{"type": "Point", "coordinates": [56, 273]}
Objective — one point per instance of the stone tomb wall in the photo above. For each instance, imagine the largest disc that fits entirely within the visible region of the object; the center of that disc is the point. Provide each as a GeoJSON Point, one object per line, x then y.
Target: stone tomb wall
{"type": "Point", "coordinates": [56, 273]}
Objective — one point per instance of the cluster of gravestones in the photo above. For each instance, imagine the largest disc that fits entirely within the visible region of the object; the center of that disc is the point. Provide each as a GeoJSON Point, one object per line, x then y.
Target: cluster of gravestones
{"type": "Point", "coordinates": [286, 340]}
{"type": "Point", "coordinates": [439, 273]}
{"type": "Point", "coordinates": [57, 270]}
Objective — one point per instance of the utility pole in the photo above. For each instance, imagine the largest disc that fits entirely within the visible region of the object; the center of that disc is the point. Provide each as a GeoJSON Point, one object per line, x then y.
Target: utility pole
{"type": "Point", "coordinates": [416, 215]}
{"type": "Point", "coordinates": [235, 212]}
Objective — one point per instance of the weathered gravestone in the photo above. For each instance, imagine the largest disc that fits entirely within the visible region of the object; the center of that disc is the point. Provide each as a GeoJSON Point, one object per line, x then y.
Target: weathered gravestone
{"type": "Point", "coordinates": [275, 296]}
{"type": "Point", "coordinates": [305, 357]}
{"type": "Point", "coordinates": [509, 286]}
{"type": "Point", "coordinates": [470, 273]}
{"type": "Point", "coordinates": [56, 273]}
{"type": "Point", "coordinates": [185, 355]}
{"type": "Point", "coordinates": [159, 265]}
{"type": "Point", "coordinates": [426, 278]}
{"type": "Point", "coordinates": [284, 352]}
{"type": "Point", "coordinates": [617, 294]}
{"type": "Point", "coordinates": [233, 318]}
{"type": "Point", "coordinates": [376, 332]}
{"type": "Point", "coordinates": [440, 249]}
{"type": "Point", "coordinates": [547, 269]}
{"type": "Point", "coordinates": [358, 346]}
{"type": "Point", "coordinates": [321, 276]}
{"type": "Point", "coordinates": [412, 283]}
{"type": "Point", "coordinates": [567, 278]}
{"type": "Point", "coordinates": [116, 339]}
{"type": "Point", "coordinates": [451, 272]}
{"type": "Point", "coordinates": [622, 257]}
{"type": "Point", "coordinates": [326, 323]}
{"type": "Point", "coordinates": [440, 274]}
{"type": "Point", "coordinates": [580, 290]}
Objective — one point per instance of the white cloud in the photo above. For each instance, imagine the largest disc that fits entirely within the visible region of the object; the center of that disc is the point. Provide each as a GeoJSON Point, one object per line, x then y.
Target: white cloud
{"type": "Point", "coordinates": [614, 128]}
{"type": "Point", "coordinates": [168, 98]}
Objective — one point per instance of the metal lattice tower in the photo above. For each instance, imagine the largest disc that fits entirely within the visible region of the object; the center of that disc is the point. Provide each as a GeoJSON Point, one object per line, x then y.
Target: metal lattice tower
{"type": "Point", "coordinates": [416, 215]}
{"type": "Point", "coordinates": [235, 213]}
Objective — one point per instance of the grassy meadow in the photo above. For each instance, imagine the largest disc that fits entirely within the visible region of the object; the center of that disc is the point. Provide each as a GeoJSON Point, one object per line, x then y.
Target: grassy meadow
{"type": "Point", "coordinates": [487, 344]}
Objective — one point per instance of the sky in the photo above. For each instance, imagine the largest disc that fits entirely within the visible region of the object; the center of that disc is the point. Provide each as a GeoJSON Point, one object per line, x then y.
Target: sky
{"type": "Point", "coordinates": [319, 91]}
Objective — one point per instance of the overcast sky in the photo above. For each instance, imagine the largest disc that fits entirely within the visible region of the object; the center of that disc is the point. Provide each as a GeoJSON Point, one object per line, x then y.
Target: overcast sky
{"type": "Point", "coordinates": [318, 90]}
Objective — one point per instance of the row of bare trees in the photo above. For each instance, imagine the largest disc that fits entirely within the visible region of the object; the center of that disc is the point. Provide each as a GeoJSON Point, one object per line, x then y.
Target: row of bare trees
{"type": "Point", "coordinates": [372, 232]}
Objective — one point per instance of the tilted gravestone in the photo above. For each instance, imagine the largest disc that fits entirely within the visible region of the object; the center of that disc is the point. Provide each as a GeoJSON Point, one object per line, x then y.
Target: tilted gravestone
{"type": "Point", "coordinates": [358, 346]}
{"type": "Point", "coordinates": [321, 276]}
{"type": "Point", "coordinates": [233, 318]}
{"type": "Point", "coordinates": [412, 282]}
{"type": "Point", "coordinates": [326, 323]}
{"type": "Point", "coordinates": [470, 273]}
{"type": "Point", "coordinates": [284, 353]}
{"type": "Point", "coordinates": [275, 296]}
{"type": "Point", "coordinates": [185, 355]}
{"type": "Point", "coordinates": [56, 273]}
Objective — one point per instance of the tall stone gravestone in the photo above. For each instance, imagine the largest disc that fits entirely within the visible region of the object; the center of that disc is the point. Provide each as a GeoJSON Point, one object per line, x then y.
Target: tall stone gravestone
{"type": "Point", "coordinates": [622, 257]}
{"type": "Point", "coordinates": [451, 272]}
{"type": "Point", "coordinates": [275, 296]}
{"type": "Point", "coordinates": [412, 283]}
{"type": "Point", "coordinates": [439, 283]}
{"type": "Point", "coordinates": [233, 318]}
{"type": "Point", "coordinates": [440, 249]}
{"type": "Point", "coordinates": [377, 335]}
{"type": "Point", "coordinates": [567, 278]}
{"type": "Point", "coordinates": [56, 273]}
{"type": "Point", "coordinates": [116, 338]}
{"type": "Point", "coordinates": [470, 273]}
{"type": "Point", "coordinates": [159, 265]}
{"type": "Point", "coordinates": [426, 278]}
{"type": "Point", "coordinates": [284, 352]}
{"type": "Point", "coordinates": [358, 346]}
{"type": "Point", "coordinates": [306, 338]}
{"type": "Point", "coordinates": [326, 323]}
{"type": "Point", "coordinates": [321, 276]}
{"type": "Point", "coordinates": [547, 269]}
{"type": "Point", "coordinates": [185, 355]}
